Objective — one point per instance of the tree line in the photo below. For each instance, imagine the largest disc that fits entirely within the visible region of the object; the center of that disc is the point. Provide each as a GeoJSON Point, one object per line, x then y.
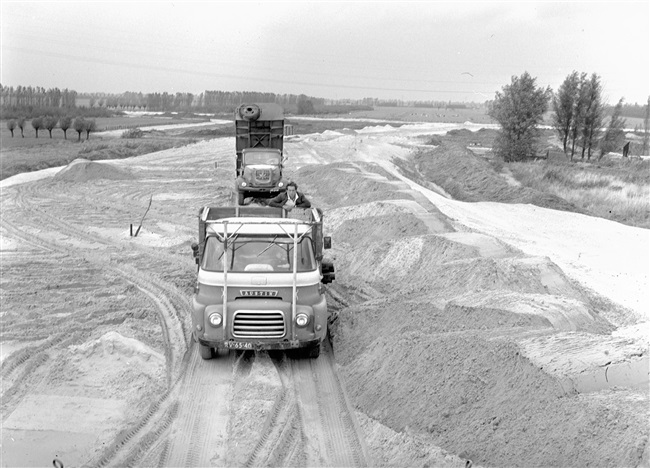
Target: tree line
{"type": "Point", "coordinates": [49, 123]}
{"type": "Point", "coordinates": [579, 113]}
{"type": "Point", "coordinates": [579, 118]}
{"type": "Point", "coordinates": [26, 99]}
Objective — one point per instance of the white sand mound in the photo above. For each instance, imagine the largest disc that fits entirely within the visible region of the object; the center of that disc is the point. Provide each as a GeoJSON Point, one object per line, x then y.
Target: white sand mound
{"type": "Point", "coordinates": [114, 345]}
{"type": "Point", "coordinates": [83, 170]}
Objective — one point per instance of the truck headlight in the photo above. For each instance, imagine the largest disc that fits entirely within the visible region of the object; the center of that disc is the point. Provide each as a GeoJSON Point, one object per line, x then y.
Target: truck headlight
{"type": "Point", "coordinates": [243, 184]}
{"type": "Point", "coordinates": [302, 320]}
{"type": "Point", "coordinates": [280, 184]}
{"type": "Point", "coordinates": [215, 319]}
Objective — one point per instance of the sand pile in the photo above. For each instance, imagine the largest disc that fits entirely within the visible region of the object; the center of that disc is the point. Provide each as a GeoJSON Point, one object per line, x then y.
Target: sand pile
{"type": "Point", "coordinates": [83, 170]}
{"type": "Point", "coordinates": [339, 184]}
{"type": "Point", "coordinates": [430, 346]}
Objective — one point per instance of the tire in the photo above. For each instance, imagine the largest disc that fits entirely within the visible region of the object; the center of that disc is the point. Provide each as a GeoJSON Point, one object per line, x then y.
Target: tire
{"type": "Point", "coordinates": [249, 111]}
{"type": "Point", "coordinates": [241, 196]}
{"type": "Point", "coordinates": [313, 351]}
{"type": "Point", "coordinates": [206, 352]}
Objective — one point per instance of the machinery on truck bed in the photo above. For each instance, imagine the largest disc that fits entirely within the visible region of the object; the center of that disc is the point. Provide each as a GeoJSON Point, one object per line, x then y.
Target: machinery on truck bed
{"type": "Point", "coordinates": [259, 138]}
{"type": "Point", "coordinates": [260, 281]}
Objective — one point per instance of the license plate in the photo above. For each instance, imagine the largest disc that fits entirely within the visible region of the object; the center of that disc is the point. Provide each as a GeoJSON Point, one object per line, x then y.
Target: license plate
{"type": "Point", "coordinates": [238, 345]}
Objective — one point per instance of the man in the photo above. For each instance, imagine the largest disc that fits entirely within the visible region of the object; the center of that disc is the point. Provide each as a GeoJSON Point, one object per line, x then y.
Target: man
{"type": "Point", "coordinates": [290, 199]}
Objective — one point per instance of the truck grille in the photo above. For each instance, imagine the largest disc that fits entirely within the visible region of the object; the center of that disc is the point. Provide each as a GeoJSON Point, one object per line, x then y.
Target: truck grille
{"type": "Point", "coordinates": [263, 175]}
{"type": "Point", "coordinates": [258, 324]}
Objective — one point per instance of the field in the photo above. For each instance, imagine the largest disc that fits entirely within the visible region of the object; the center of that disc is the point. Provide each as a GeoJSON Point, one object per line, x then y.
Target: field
{"type": "Point", "coordinates": [18, 154]}
{"type": "Point", "coordinates": [611, 189]}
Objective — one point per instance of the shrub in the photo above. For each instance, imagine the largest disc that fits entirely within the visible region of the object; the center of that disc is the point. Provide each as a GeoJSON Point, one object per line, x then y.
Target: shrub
{"type": "Point", "coordinates": [133, 133]}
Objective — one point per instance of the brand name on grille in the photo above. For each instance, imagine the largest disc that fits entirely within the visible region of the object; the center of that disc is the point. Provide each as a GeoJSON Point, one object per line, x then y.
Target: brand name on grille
{"type": "Point", "coordinates": [258, 293]}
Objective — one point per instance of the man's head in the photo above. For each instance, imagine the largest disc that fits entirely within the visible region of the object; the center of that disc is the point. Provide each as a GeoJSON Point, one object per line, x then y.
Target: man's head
{"type": "Point", "coordinates": [292, 188]}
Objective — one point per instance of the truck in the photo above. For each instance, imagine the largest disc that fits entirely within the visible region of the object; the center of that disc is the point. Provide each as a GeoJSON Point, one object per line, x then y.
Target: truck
{"type": "Point", "coordinates": [259, 140]}
{"type": "Point", "coordinates": [261, 280]}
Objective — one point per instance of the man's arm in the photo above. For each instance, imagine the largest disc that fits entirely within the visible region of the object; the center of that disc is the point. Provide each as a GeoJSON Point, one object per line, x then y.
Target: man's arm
{"type": "Point", "coordinates": [278, 200]}
{"type": "Point", "coordinates": [302, 202]}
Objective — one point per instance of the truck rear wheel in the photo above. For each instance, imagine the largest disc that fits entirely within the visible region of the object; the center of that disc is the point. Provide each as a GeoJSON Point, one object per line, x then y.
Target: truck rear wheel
{"type": "Point", "coordinates": [206, 352]}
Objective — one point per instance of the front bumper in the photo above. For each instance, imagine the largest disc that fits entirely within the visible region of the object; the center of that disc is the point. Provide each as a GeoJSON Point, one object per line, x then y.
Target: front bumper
{"type": "Point", "coordinates": [259, 345]}
{"type": "Point", "coordinates": [252, 186]}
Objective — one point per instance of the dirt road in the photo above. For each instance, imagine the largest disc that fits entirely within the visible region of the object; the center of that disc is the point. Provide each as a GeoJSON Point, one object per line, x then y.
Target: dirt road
{"type": "Point", "coordinates": [450, 343]}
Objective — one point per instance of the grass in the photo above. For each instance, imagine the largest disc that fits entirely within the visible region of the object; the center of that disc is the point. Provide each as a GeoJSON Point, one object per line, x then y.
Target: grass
{"type": "Point", "coordinates": [25, 154]}
{"type": "Point", "coordinates": [619, 190]}
{"type": "Point", "coordinates": [26, 159]}
{"type": "Point", "coordinates": [614, 189]}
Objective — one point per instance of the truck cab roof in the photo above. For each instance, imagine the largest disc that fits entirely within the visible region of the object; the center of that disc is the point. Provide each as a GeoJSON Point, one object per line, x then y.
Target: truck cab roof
{"type": "Point", "coordinates": [258, 226]}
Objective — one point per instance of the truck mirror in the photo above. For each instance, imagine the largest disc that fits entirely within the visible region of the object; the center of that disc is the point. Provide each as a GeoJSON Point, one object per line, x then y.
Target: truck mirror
{"type": "Point", "coordinates": [327, 242]}
{"type": "Point", "coordinates": [195, 249]}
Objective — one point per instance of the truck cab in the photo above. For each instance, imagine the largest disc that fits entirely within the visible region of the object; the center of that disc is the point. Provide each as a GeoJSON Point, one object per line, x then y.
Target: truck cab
{"type": "Point", "coordinates": [260, 174]}
{"type": "Point", "coordinates": [260, 281]}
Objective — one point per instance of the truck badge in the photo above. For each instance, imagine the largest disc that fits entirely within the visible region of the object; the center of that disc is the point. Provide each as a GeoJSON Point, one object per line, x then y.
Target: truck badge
{"type": "Point", "coordinates": [257, 293]}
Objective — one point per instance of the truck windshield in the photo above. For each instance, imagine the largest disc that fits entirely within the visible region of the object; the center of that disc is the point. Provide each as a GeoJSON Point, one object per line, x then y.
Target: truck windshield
{"type": "Point", "coordinates": [258, 157]}
{"type": "Point", "coordinates": [258, 254]}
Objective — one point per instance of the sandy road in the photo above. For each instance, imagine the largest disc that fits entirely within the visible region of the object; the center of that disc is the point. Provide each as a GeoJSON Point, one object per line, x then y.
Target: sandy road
{"type": "Point", "coordinates": [189, 420]}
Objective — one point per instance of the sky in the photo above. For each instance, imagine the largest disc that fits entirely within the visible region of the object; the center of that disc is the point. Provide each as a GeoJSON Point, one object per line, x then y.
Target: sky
{"type": "Point", "coordinates": [430, 51]}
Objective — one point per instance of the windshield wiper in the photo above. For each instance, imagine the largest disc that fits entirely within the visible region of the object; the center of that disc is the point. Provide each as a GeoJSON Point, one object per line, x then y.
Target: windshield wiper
{"type": "Point", "coordinates": [271, 244]}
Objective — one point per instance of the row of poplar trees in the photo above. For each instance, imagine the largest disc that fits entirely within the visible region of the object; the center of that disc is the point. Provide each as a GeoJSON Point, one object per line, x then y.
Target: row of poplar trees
{"type": "Point", "coordinates": [578, 117]}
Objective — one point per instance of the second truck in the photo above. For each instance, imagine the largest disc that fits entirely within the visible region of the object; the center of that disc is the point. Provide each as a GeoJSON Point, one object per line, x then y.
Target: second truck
{"type": "Point", "coordinates": [259, 139]}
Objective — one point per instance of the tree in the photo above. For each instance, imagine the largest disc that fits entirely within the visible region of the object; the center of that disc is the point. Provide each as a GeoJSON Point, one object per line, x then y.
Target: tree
{"type": "Point", "coordinates": [646, 128]}
{"type": "Point", "coordinates": [90, 126]}
{"type": "Point", "coordinates": [37, 123]}
{"type": "Point", "coordinates": [21, 126]}
{"type": "Point", "coordinates": [593, 114]}
{"type": "Point", "coordinates": [563, 107]}
{"type": "Point", "coordinates": [305, 106]}
{"type": "Point", "coordinates": [49, 122]}
{"type": "Point", "coordinates": [579, 110]}
{"type": "Point", "coordinates": [614, 135]}
{"type": "Point", "coordinates": [519, 109]}
{"type": "Point", "coordinates": [79, 125]}
{"type": "Point", "coordinates": [11, 125]}
{"type": "Point", "coordinates": [64, 124]}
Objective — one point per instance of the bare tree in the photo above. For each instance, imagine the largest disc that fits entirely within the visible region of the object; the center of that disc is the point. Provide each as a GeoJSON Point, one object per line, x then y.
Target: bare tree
{"type": "Point", "coordinates": [49, 122]}
{"type": "Point", "coordinates": [11, 125]}
{"type": "Point", "coordinates": [64, 124]}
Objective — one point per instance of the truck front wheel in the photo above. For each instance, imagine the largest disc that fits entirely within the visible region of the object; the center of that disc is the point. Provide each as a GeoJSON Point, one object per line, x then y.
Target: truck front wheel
{"type": "Point", "coordinates": [205, 352]}
{"type": "Point", "coordinates": [240, 198]}
{"type": "Point", "coordinates": [312, 352]}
